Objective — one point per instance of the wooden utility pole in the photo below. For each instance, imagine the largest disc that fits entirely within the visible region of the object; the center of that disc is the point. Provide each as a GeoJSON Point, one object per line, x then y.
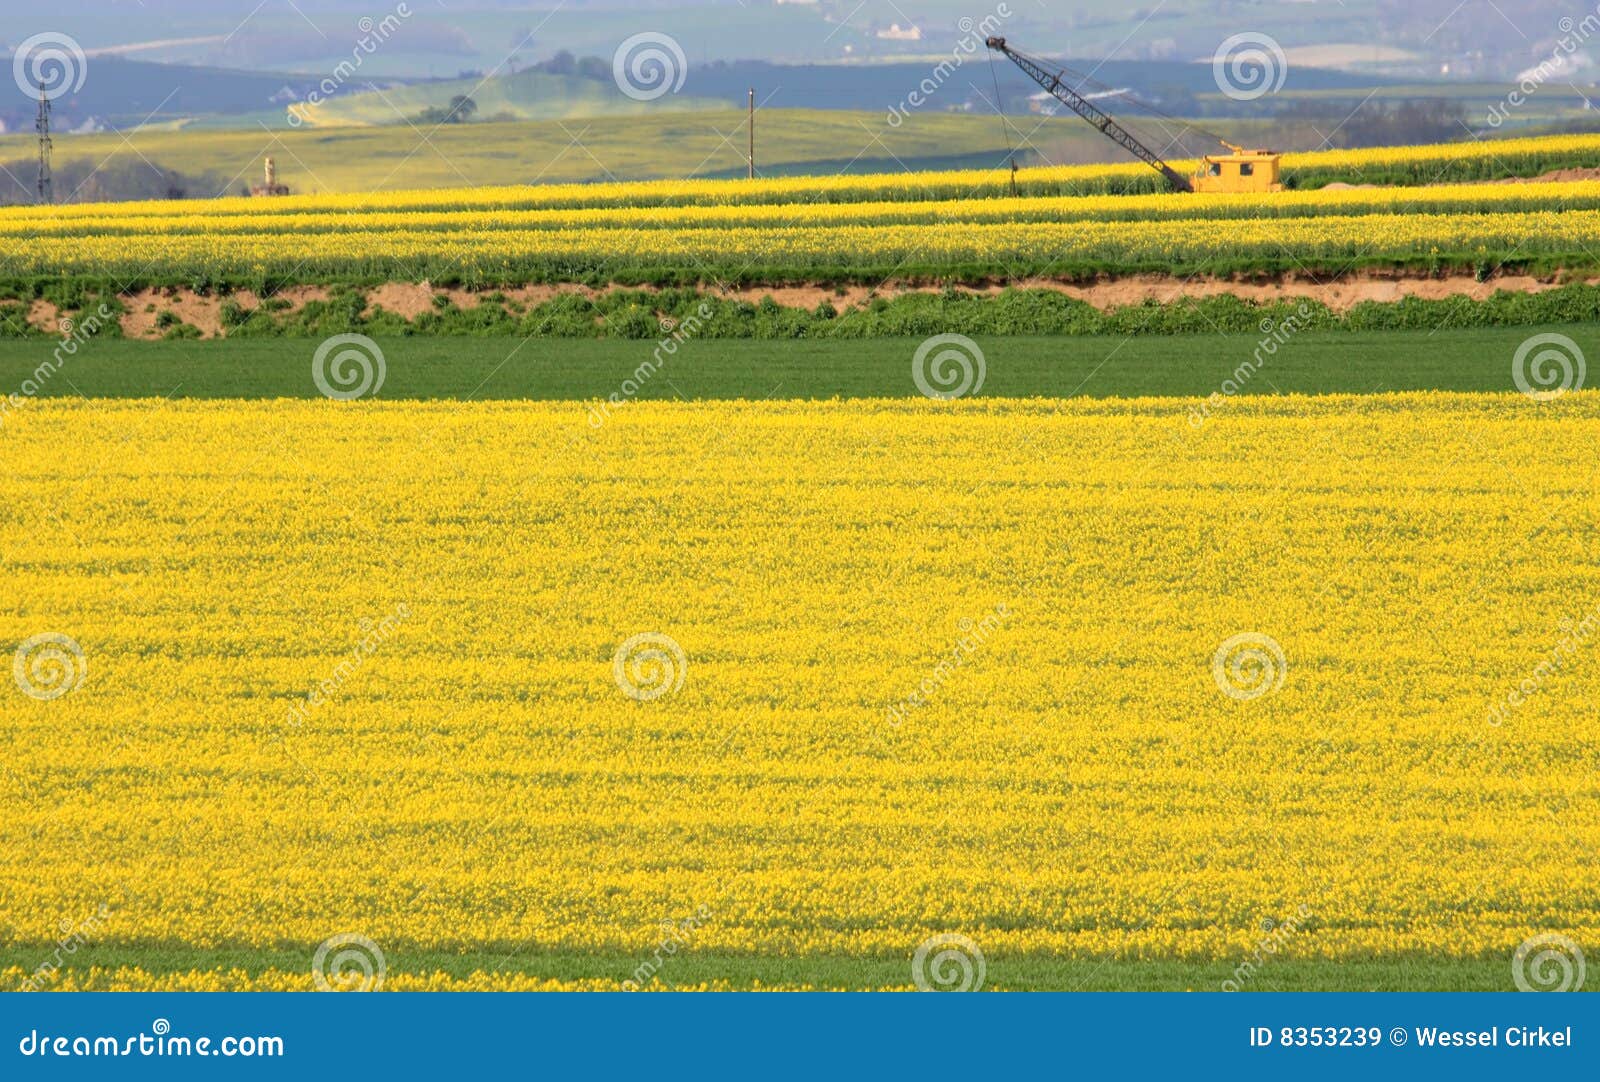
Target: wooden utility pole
{"type": "Point", "coordinates": [751, 159]}
{"type": "Point", "coordinates": [42, 126]}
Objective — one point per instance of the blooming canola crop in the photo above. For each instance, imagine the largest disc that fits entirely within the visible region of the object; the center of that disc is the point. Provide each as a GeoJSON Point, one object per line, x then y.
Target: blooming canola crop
{"type": "Point", "coordinates": [353, 667]}
{"type": "Point", "coordinates": [1339, 242]}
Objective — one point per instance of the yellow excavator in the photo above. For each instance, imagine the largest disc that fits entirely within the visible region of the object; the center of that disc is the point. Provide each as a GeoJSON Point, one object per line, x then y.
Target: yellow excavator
{"type": "Point", "coordinates": [1239, 170]}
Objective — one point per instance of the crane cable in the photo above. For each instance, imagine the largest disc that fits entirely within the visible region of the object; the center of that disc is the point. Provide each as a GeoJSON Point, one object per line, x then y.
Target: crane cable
{"type": "Point", "coordinates": [1137, 103]}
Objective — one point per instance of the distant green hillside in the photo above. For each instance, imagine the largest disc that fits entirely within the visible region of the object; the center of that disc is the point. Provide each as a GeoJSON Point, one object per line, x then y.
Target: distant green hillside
{"type": "Point", "coordinates": [661, 144]}
{"type": "Point", "coordinates": [525, 95]}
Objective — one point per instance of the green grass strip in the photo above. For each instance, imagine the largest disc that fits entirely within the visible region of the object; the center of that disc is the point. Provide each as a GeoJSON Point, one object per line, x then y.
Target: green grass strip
{"type": "Point", "coordinates": [1311, 362]}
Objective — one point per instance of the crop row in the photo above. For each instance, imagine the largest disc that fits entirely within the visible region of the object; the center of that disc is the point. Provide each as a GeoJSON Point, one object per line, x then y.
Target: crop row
{"type": "Point", "coordinates": [1452, 199]}
{"type": "Point", "coordinates": [1414, 165]}
{"type": "Point", "coordinates": [949, 248]}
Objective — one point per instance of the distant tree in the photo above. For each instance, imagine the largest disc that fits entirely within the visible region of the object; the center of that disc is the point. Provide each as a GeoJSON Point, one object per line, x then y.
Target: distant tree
{"type": "Point", "coordinates": [560, 64]}
{"type": "Point", "coordinates": [459, 111]}
{"type": "Point", "coordinates": [592, 67]}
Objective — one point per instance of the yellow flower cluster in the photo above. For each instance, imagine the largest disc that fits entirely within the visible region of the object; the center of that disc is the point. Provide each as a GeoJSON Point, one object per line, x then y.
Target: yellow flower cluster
{"type": "Point", "coordinates": [358, 667]}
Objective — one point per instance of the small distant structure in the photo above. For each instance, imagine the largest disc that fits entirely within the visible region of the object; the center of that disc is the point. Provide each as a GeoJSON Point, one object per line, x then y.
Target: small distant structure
{"type": "Point", "coordinates": [269, 182]}
{"type": "Point", "coordinates": [898, 33]}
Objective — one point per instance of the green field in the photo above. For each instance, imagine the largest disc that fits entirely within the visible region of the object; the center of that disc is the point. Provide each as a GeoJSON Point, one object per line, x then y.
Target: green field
{"type": "Point", "coordinates": [744, 971]}
{"type": "Point", "coordinates": [661, 144]}
{"type": "Point", "coordinates": [513, 368]}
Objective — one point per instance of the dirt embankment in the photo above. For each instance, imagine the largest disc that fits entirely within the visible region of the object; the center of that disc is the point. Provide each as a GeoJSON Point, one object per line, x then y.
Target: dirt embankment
{"type": "Point", "coordinates": [153, 313]}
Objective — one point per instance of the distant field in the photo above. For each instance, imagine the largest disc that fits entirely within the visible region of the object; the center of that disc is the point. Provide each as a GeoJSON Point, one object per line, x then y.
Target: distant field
{"type": "Point", "coordinates": [525, 95]}
{"type": "Point", "coordinates": [676, 144]}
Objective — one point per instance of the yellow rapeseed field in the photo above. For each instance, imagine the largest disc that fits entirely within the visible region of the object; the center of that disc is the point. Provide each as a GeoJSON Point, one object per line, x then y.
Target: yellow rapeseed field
{"type": "Point", "coordinates": [485, 679]}
{"type": "Point", "coordinates": [481, 250]}
{"type": "Point", "coordinates": [1168, 206]}
{"type": "Point", "coordinates": [959, 225]}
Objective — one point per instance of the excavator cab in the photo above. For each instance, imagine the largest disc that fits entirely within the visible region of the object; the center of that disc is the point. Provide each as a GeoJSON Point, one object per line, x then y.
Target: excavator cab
{"type": "Point", "coordinates": [1239, 170]}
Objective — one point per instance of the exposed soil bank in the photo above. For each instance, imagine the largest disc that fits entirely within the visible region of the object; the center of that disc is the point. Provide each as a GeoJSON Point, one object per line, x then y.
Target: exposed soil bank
{"type": "Point", "coordinates": [152, 313]}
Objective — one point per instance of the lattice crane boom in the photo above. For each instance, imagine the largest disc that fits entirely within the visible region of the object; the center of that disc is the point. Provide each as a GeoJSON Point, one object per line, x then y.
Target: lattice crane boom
{"type": "Point", "coordinates": [1085, 108]}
